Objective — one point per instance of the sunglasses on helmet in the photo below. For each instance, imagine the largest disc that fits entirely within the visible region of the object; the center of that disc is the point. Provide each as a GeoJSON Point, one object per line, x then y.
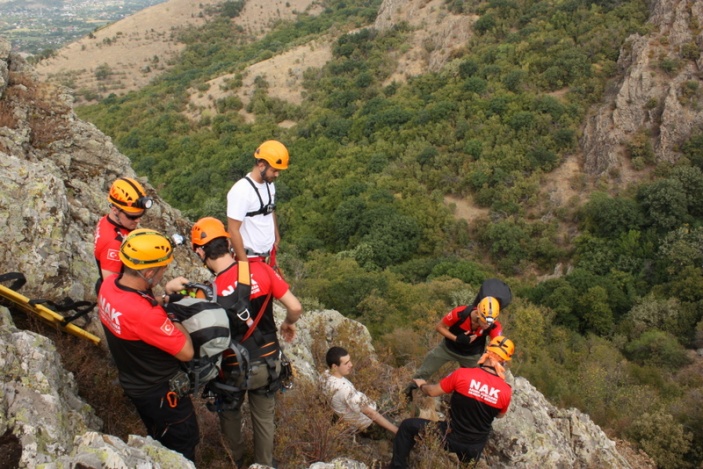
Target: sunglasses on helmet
{"type": "Point", "coordinates": [131, 217]}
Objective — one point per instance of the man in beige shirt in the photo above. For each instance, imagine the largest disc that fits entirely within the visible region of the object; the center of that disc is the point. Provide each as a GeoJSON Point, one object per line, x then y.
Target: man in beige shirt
{"type": "Point", "coordinates": [352, 406]}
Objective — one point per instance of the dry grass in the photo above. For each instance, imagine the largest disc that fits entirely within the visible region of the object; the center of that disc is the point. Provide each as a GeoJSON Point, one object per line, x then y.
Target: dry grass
{"type": "Point", "coordinates": [46, 116]}
{"type": "Point", "coordinates": [7, 117]}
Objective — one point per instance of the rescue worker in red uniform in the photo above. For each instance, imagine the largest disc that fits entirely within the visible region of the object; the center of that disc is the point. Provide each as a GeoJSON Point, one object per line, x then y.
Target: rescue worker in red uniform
{"type": "Point", "coordinates": [255, 329]}
{"type": "Point", "coordinates": [128, 204]}
{"type": "Point", "coordinates": [146, 345]}
{"type": "Point", "coordinates": [478, 396]}
{"type": "Point", "coordinates": [466, 332]}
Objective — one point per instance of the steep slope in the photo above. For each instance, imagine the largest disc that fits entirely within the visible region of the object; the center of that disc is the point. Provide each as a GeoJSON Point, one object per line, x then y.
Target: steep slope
{"type": "Point", "coordinates": [60, 167]}
{"type": "Point", "coordinates": [435, 34]}
{"type": "Point", "coordinates": [128, 54]}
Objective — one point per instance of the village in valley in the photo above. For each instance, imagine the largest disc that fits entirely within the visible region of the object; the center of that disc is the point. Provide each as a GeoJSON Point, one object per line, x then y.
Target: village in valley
{"type": "Point", "coordinates": [40, 27]}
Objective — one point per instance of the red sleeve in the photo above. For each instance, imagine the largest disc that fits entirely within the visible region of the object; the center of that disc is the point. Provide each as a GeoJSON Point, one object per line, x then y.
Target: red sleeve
{"type": "Point", "coordinates": [279, 286]}
{"type": "Point", "coordinates": [107, 246]}
{"type": "Point", "coordinates": [448, 383]}
{"type": "Point", "coordinates": [505, 398]}
{"type": "Point", "coordinates": [268, 281]}
{"type": "Point", "coordinates": [496, 331]}
{"type": "Point", "coordinates": [453, 316]}
{"type": "Point", "coordinates": [155, 328]}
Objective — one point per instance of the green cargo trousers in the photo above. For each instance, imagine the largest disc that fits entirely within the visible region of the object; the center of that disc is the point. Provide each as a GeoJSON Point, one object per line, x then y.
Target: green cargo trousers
{"type": "Point", "coordinates": [440, 355]}
{"type": "Point", "coordinates": [262, 407]}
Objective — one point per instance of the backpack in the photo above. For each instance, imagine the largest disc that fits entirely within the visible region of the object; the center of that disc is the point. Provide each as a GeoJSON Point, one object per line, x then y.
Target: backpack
{"type": "Point", "coordinates": [208, 325]}
{"type": "Point", "coordinates": [497, 289]}
{"type": "Point", "coordinates": [490, 287]}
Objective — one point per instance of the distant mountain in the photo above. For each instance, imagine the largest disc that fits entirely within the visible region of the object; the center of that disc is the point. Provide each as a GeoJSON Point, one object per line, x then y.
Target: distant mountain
{"type": "Point", "coordinates": [138, 48]}
{"type": "Point", "coordinates": [38, 27]}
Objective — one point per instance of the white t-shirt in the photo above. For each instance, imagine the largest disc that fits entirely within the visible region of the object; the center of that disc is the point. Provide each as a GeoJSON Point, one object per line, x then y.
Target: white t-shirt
{"type": "Point", "coordinates": [258, 232]}
{"type": "Point", "coordinates": [347, 401]}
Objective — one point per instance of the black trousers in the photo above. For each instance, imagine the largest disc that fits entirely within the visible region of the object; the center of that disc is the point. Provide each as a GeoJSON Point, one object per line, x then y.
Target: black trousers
{"type": "Point", "coordinates": [175, 427]}
{"type": "Point", "coordinates": [405, 441]}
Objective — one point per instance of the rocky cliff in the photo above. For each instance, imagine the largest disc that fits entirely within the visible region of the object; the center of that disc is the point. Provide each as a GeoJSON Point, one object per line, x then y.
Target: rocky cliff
{"type": "Point", "coordinates": [55, 172]}
{"type": "Point", "coordinates": [656, 102]}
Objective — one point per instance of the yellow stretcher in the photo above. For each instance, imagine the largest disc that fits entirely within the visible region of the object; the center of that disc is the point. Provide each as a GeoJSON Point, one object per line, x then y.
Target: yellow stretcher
{"type": "Point", "coordinates": [51, 317]}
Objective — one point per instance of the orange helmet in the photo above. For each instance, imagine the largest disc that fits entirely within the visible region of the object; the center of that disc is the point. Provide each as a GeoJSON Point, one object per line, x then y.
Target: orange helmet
{"type": "Point", "coordinates": [205, 230]}
{"type": "Point", "coordinates": [128, 195]}
{"type": "Point", "coordinates": [144, 249]}
{"type": "Point", "coordinates": [275, 154]}
{"type": "Point", "coordinates": [488, 310]}
{"type": "Point", "coordinates": [503, 347]}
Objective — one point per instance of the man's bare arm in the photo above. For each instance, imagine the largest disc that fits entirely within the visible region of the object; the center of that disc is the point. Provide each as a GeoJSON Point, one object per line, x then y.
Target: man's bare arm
{"type": "Point", "coordinates": [233, 227]}
{"type": "Point", "coordinates": [379, 419]}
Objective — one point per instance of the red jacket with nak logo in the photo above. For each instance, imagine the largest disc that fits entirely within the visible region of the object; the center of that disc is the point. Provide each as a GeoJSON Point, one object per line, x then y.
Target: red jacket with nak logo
{"type": "Point", "coordinates": [478, 396]}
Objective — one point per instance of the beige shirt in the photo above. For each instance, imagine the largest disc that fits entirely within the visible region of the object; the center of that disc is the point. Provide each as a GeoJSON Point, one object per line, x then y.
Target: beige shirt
{"type": "Point", "coordinates": [347, 401]}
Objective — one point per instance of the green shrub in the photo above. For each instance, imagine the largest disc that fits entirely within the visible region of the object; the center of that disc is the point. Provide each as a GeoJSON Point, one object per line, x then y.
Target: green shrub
{"type": "Point", "coordinates": [657, 348]}
{"type": "Point", "coordinates": [665, 440]}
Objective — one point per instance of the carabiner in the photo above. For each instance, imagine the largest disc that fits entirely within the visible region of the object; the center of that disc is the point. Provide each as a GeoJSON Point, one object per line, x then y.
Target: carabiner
{"type": "Point", "coordinates": [172, 399]}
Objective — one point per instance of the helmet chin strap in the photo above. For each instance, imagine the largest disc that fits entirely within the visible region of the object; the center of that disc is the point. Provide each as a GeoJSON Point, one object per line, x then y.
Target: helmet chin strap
{"type": "Point", "coordinates": [149, 281]}
{"type": "Point", "coordinates": [116, 219]}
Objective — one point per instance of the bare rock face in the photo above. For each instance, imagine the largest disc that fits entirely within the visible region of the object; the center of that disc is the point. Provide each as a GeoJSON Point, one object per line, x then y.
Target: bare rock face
{"type": "Point", "coordinates": [534, 433]}
{"type": "Point", "coordinates": [660, 94]}
{"type": "Point", "coordinates": [56, 171]}
{"type": "Point", "coordinates": [40, 406]}
{"type": "Point", "coordinates": [39, 398]}
{"type": "Point", "coordinates": [436, 33]}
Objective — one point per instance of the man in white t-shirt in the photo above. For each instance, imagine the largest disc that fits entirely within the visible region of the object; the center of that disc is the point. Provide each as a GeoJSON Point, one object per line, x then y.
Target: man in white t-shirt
{"type": "Point", "coordinates": [251, 202]}
{"type": "Point", "coordinates": [352, 406]}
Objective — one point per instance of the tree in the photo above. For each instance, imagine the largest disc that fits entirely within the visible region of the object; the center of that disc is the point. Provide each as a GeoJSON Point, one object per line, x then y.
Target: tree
{"type": "Point", "coordinates": [657, 348]}
{"type": "Point", "coordinates": [665, 440]}
{"type": "Point", "coordinates": [693, 150]}
{"type": "Point", "coordinates": [596, 315]}
{"type": "Point", "coordinates": [608, 217]}
{"type": "Point", "coordinates": [691, 178]}
{"type": "Point", "coordinates": [103, 72]}
{"type": "Point", "coordinates": [681, 248]}
{"type": "Point", "coordinates": [665, 204]}
{"type": "Point", "coordinates": [466, 271]}
{"type": "Point", "coordinates": [392, 236]}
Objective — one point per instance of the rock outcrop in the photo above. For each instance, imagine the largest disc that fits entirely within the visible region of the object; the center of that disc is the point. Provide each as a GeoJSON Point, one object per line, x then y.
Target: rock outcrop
{"type": "Point", "coordinates": [531, 432]}
{"type": "Point", "coordinates": [658, 97]}
{"type": "Point", "coordinates": [436, 33]}
{"type": "Point", "coordinates": [55, 172]}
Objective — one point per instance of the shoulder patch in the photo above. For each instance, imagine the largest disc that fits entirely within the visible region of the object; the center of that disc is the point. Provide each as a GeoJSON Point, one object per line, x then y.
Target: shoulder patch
{"type": "Point", "coordinates": [167, 327]}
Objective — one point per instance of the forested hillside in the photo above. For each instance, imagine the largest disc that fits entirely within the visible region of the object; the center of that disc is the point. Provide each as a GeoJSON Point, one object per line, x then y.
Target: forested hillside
{"type": "Point", "coordinates": [364, 222]}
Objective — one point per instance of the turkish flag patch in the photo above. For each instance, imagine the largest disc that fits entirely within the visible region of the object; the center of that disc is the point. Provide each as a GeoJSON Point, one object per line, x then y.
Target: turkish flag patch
{"type": "Point", "coordinates": [167, 327]}
{"type": "Point", "coordinates": [113, 254]}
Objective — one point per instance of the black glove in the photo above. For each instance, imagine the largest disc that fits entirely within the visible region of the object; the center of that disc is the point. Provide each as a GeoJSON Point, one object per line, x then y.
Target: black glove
{"type": "Point", "coordinates": [463, 339]}
{"type": "Point", "coordinates": [408, 391]}
{"type": "Point", "coordinates": [173, 317]}
{"type": "Point", "coordinates": [175, 311]}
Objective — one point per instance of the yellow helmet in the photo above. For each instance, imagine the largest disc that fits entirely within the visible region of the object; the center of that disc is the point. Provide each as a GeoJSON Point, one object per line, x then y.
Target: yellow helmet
{"type": "Point", "coordinates": [128, 195]}
{"type": "Point", "coordinates": [145, 249]}
{"type": "Point", "coordinates": [205, 230]}
{"type": "Point", "coordinates": [488, 310]}
{"type": "Point", "coordinates": [503, 347]}
{"type": "Point", "coordinates": [275, 154]}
